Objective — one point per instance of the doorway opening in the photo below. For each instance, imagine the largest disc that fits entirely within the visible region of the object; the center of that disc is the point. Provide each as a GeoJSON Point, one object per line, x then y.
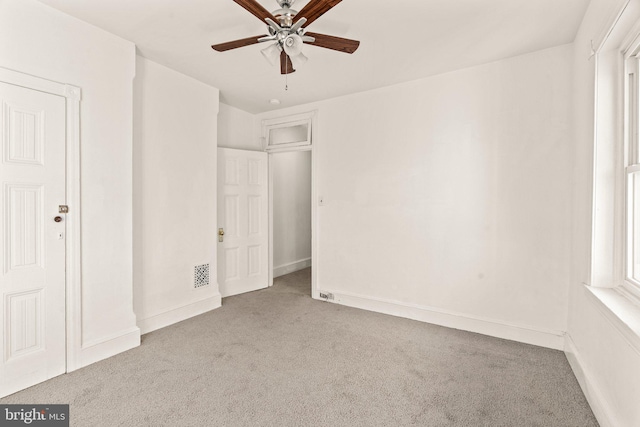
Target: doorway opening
{"type": "Point", "coordinates": [291, 213]}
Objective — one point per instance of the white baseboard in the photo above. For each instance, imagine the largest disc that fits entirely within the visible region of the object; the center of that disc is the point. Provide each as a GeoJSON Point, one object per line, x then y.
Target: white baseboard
{"type": "Point", "coordinates": [283, 269]}
{"type": "Point", "coordinates": [495, 328]}
{"type": "Point", "coordinates": [97, 350]}
{"type": "Point", "coordinates": [179, 314]}
{"type": "Point", "coordinates": [601, 409]}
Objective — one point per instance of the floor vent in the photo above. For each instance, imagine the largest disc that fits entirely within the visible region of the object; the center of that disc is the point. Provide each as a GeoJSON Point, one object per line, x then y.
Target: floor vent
{"type": "Point", "coordinates": [201, 275]}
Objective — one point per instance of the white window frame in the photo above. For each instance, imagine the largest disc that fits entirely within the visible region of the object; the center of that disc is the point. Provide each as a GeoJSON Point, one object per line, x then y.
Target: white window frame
{"type": "Point", "coordinates": [284, 122]}
{"type": "Point", "coordinates": [605, 280]}
{"type": "Point", "coordinates": [631, 156]}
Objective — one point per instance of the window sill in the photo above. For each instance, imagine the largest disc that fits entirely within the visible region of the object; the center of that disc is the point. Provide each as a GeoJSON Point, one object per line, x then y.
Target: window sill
{"type": "Point", "coordinates": [620, 309]}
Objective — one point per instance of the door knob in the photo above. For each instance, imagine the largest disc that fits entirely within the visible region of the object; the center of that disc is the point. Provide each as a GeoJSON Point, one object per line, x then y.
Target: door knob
{"type": "Point", "coordinates": [58, 219]}
{"type": "Point", "coordinates": [220, 234]}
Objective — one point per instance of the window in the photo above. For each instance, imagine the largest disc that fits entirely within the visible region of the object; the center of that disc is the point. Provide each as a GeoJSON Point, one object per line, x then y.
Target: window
{"type": "Point", "coordinates": [285, 132]}
{"type": "Point", "coordinates": [612, 279]}
{"type": "Point", "coordinates": [632, 172]}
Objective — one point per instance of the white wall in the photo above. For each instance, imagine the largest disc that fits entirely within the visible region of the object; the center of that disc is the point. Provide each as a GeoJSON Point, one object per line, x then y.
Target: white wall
{"type": "Point", "coordinates": [236, 129]}
{"type": "Point", "coordinates": [175, 155]}
{"type": "Point", "coordinates": [448, 199]}
{"type": "Point", "coordinates": [291, 211]}
{"type": "Point", "coordinates": [38, 40]}
{"type": "Point", "coordinates": [603, 358]}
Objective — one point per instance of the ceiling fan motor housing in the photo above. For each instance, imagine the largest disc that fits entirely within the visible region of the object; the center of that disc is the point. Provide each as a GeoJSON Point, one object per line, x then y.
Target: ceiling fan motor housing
{"type": "Point", "coordinates": [285, 14]}
{"type": "Point", "coordinates": [286, 3]}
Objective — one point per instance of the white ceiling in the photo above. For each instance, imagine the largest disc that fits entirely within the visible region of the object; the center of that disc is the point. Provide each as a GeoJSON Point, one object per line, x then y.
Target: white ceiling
{"type": "Point", "coordinates": [401, 40]}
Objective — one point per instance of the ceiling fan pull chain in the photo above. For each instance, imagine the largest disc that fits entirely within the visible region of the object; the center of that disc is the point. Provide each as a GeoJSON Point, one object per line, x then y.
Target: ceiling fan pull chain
{"type": "Point", "coordinates": [286, 76]}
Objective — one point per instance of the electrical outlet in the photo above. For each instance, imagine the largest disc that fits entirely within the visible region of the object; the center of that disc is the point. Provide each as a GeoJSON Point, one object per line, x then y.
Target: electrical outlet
{"type": "Point", "coordinates": [326, 295]}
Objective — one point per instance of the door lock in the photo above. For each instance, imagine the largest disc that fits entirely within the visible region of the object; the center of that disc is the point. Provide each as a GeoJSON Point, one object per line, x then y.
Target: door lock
{"type": "Point", "coordinates": [220, 234]}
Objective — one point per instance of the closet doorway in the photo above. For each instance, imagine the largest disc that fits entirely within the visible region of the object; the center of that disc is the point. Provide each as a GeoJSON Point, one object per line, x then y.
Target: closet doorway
{"type": "Point", "coordinates": [291, 210]}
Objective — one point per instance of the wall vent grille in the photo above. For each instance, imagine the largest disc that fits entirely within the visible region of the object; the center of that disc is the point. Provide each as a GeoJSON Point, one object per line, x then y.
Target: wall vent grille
{"type": "Point", "coordinates": [201, 275]}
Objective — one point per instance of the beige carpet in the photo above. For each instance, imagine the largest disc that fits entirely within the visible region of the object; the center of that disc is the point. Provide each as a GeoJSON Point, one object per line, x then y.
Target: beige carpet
{"type": "Point", "coordinates": [278, 358]}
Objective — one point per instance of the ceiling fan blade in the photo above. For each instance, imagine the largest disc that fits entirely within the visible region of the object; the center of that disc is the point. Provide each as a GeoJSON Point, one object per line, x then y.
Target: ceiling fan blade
{"type": "Point", "coordinates": [236, 43]}
{"type": "Point", "coordinates": [286, 67]}
{"type": "Point", "coordinates": [315, 9]}
{"type": "Point", "coordinates": [335, 43]}
{"type": "Point", "coordinates": [256, 9]}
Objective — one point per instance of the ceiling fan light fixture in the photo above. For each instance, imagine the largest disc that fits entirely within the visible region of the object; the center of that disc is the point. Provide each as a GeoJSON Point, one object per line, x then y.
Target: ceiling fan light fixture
{"type": "Point", "coordinates": [298, 60]}
{"type": "Point", "coordinates": [272, 53]}
{"type": "Point", "coordinates": [292, 45]}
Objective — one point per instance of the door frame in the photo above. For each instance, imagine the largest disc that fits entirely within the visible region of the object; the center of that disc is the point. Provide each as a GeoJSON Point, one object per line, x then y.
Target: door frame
{"type": "Point", "coordinates": [73, 272]}
{"type": "Point", "coordinates": [313, 147]}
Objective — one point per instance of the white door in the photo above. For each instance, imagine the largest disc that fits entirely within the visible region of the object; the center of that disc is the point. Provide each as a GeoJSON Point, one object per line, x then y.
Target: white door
{"type": "Point", "coordinates": [243, 215]}
{"type": "Point", "coordinates": [32, 252]}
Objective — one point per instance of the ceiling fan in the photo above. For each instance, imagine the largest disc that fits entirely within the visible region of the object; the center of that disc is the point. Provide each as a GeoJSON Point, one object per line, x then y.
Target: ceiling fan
{"type": "Point", "coordinates": [289, 36]}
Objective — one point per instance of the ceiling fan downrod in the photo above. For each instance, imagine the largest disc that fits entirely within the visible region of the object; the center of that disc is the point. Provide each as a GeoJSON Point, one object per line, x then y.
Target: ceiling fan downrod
{"type": "Point", "coordinates": [286, 3]}
{"type": "Point", "coordinates": [285, 14]}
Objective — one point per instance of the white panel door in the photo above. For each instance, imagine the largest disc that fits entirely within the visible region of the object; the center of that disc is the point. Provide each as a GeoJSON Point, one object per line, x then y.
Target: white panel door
{"type": "Point", "coordinates": [243, 215]}
{"type": "Point", "coordinates": [32, 252]}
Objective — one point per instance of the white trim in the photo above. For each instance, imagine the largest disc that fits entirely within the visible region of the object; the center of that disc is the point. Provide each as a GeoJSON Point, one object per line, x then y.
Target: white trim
{"type": "Point", "coordinates": [631, 42]}
{"type": "Point", "coordinates": [73, 280]}
{"type": "Point", "coordinates": [270, 272]}
{"type": "Point", "coordinates": [315, 218]}
{"type": "Point", "coordinates": [630, 288]}
{"type": "Point", "coordinates": [620, 311]}
{"type": "Point", "coordinates": [629, 65]}
{"type": "Point", "coordinates": [292, 147]}
{"type": "Point", "coordinates": [616, 14]}
{"type": "Point", "coordinates": [492, 327]}
{"type": "Point", "coordinates": [36, 83]}
{"type": "Point", "coordinates": [179, 313]}
{"type": "Point", "coordinates": [103, 348]}
{"type": "Point", "coordinates": [291, 267]}
{"type": "Point", "coordinates": [601, 408]}
{"type": "Point", "coordinates": [74, 248]}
